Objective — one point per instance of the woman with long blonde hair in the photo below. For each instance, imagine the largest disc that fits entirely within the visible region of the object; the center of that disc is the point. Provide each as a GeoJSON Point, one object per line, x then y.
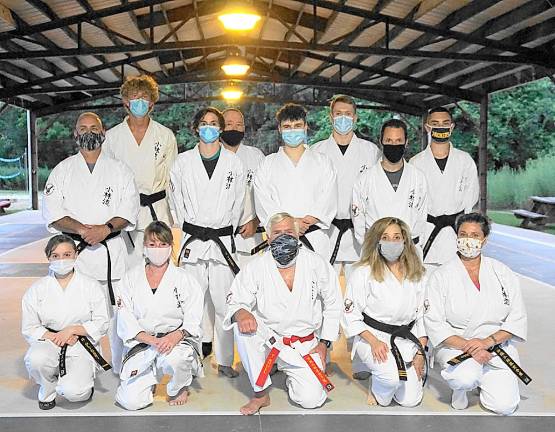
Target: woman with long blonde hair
{"type": "Point", "coordinates": [383, 310]}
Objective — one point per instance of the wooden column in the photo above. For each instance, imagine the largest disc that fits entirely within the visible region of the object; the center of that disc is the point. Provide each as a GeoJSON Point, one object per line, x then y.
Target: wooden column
{"type": "Point", "coordinates": [424, 137]}
{"type": "Point", "coordinates": [33, 159]}
{"type": "Point", "coordinates": [483, 154]}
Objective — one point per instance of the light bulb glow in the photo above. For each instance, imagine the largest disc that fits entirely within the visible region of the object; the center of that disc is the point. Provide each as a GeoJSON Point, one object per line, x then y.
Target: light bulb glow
{"type": "Point", "coordinates": [240, 21]}
{"type": "Point", "coordinates": [235, 69]}
{"type": "Point", "coordinates": [232, 94]}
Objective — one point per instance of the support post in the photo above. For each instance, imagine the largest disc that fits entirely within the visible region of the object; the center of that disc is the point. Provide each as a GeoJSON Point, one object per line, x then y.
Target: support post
{"type": "Point", "coordinates": [424, 137]}
{"type": "Point", "coordinates": [33, 158]}
{"type": "Point", "coordinates": [483, 154]}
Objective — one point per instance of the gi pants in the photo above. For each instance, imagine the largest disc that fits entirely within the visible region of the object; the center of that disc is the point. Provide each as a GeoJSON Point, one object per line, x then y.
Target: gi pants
{"type": "Point", "coordinates": [42, 362]}
{"type": "Point", "coordinates": [303, 387]}
{"type": "Point", "coordinates": [499, 390]}
{"type": "Point", "coordinates": [116, 344]}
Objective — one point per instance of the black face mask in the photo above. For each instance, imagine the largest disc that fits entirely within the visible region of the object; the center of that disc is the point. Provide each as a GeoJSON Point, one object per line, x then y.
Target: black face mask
{"type": "Point", "coordinates": [440, 134]}
{"type": "Point", "coordinates": [232, 137]}
{"type": "Point", "coordinates": [393, 153]}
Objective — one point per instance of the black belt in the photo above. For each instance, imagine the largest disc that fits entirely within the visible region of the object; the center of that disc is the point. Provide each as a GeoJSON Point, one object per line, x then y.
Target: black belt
{"type": "Point", "coordinates": [302, 238]}
{"type": "Point", "coordinates": [343, 225]}
{"type": "Point", "coordinates": [89, 347]}
{"type": "Point", "coordinates": [83, 244]}
{"type": "Point", "coordinates": [140, 347]}
{"type": "Point", "coordinates": [506, 358]}
{"type": "Point", "coordinates": [148, 200]}
{"type": "Point", "coordinates": [205, 234]}
{"type": "Point", "coordinates": [440, 222]}
{"type": "Point", "coordinates": [402, 331]}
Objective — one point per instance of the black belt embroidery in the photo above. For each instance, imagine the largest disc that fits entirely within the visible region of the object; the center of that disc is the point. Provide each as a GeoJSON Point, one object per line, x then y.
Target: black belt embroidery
{"type": "Point", "coordinates": [506, 358]}
{"type": "Point", "coordinates": [89, 347]}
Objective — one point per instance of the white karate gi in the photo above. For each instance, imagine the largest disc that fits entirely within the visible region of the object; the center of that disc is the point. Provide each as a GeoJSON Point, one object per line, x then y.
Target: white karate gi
{"type": "Point", "coordinates": [47, 304]}
{"type": "Point", "coordinates": [251, 158]}
{"type": "Point", "coordinates": [308, 188]}
{"type": "Point", "coordinates": [390, 302]}
{"type": "Point", "coordinates": [454, 306]}
{"type": "Point", "coordinates": [313, 306]}
{"type": "Point", "coordinates": [450, 192]}
{"type": "Point", "coordinates": [176, 304]}
{"type": "Point", "coordinates": [374, 198]}
{"type": "Point", "coordinates": [150, 161]}
{"type": "Point", "coordinates": [95, 198]}
{"type": "Point", "coordinates": [214, 203]}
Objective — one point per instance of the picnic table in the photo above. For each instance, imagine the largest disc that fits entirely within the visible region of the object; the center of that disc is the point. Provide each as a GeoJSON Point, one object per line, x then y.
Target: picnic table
{"type": "Point", "coordinates": [542, 212]}
{"type": "Point", "coordinates": [4, 204]}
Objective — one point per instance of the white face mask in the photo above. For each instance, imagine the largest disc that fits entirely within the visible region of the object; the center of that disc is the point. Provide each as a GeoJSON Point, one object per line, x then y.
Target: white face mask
{"type": "Point", "coordinates": [469, 247]}
{"type": "Point", "coordinates": [158, 256]}
{"type": "Point", "coordinates": [391, 250]}
{"type": "Point", "coordinates": [62, 267]}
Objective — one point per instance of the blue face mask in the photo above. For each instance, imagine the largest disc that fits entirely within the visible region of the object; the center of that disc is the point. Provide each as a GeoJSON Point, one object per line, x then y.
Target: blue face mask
{"type": "Point", "coordinates": [293, 137]}
{"type": "Point", "coordinates": [208, 134]}
{"type": "Point", "coordinates": [138, 107]}
{"type": "Point", "coordinates": [343, 124]}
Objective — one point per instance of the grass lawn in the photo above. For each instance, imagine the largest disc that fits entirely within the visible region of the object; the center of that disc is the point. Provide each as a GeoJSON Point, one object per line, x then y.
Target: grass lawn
{"type": "Point", "coordinates": [507, 218]}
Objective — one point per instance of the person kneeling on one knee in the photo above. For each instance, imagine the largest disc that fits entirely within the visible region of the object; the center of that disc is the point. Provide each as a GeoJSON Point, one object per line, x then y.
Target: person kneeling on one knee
{"type": "Point", "coordinates": [383, 310]}
{"type": "Point", "coordinates": [64, 316]}
{"type": "Point", "coordinates": [159, 318]}
{"type": "Point", "coordinates": [285, 307]}
{"type": "Point", "coordinates": [475, 315]}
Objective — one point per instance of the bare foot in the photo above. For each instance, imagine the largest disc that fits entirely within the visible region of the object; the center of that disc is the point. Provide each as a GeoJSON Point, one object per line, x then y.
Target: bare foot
{"type": "Point", "coordinates": [180, 398]}
{"type": "Point", "coordinates": [254, 405]}
{"type": "Point", "coordinates": [371, 399]}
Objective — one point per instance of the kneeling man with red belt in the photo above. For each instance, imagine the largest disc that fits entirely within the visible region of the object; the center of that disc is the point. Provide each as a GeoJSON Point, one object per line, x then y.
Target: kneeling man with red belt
{"type": "Point", "coordinates": [284, 307]}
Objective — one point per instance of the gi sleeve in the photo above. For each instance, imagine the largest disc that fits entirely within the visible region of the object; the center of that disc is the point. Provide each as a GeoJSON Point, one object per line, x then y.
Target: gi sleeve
{"type": "Point", "coordinates": [176, 199]}
{"type": "Point", "coordinates": [97, 326]}
{"type": "Point", "coordinates": [127, 324]}
{"type": "Point", "coordinates": [192, 314]}
{"type": "Point", "coordinates": [325, 208]}
{"type": "Point", "coordinates": [128, 206]}
{"type": "Point", "coordinates": [330, 292]}
{"type": "Point", "coordinates": [266, 200]}
{"type": "Point", "coordinates": [421, 208]}
{"type": "Point", "coordinates": [354, 304]}
{"type": "Point", "coordinates": [419, 330]}
{"type": "Point", "coordinates": [240, 190]}
{"type": "Point", "coordinates": [435, 321]}
{"type": "Point", "coordinates": [53, 208]}
{"type": "Point", "coordinates": [31, 325]}
{"type": "Point", "coordinates": [472, 188]}
{"type": "Point", "coordinates": [516, 322]}
{"type": "Point", "coordinates": [242, 295]}
{"type": "Point", "coordinates": [172, 151]}
{"type": "Point", "coordinates": [359, 208]}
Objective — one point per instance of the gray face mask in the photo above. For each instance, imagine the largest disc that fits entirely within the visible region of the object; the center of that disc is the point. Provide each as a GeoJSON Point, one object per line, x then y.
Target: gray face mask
{"type": "Point", "coordinates": [391, 250]}
{"type": "Point", "coordinates": [90, 140]}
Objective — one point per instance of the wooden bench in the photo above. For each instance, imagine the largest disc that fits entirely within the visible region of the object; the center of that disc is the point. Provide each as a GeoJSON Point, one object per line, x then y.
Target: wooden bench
{"type": "Point", "coordinates": [4, 204]}
{"type": "Point", "coordinates": [542, 212]}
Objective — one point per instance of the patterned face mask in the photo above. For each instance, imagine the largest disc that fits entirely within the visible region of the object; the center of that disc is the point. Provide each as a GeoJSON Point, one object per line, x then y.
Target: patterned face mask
{"type": "Point", "coordinates": [469, 247]}
{"type": "Point", "coordinates": [90, 140]}
{"type": "Point", "coordinates": [285, 249]}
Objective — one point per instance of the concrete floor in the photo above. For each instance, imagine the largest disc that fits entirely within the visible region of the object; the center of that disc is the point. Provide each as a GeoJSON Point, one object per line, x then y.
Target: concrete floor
{"type": "Point", "coordinates": [213, 399]}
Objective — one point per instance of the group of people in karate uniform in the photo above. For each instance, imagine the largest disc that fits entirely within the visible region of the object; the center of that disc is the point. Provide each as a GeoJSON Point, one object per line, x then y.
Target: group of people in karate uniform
{"type": "Point", "coordinates": [171, 255]}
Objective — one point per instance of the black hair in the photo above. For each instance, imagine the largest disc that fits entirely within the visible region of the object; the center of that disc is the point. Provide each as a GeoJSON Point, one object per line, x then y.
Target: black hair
{"type": "Point", "coordinates": [291, 112]}
{"type": "Point", "coordinates": [439, 109]}
{"type": "Point", "coordinates": [57, 240]}
{"type": "Point", "coordinates": [479, 218]}
{"type": "Point", "coordinates": [201, 113]}
{"type": "Point", "coordinates": [396, 124]}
